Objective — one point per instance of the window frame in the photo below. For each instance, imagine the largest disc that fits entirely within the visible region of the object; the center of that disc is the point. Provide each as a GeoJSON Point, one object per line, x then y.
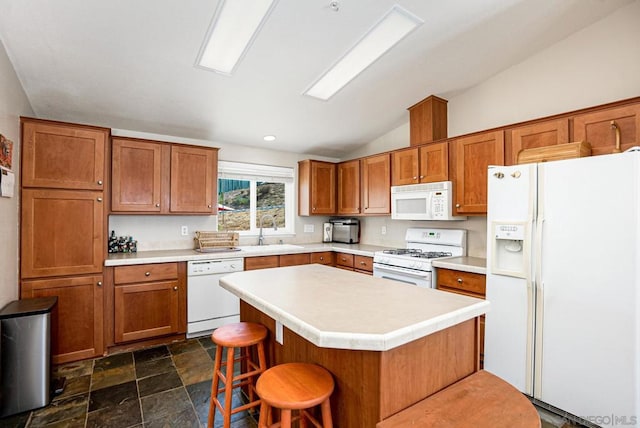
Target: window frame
{"type": "Point", "coordinates": [255, 173]}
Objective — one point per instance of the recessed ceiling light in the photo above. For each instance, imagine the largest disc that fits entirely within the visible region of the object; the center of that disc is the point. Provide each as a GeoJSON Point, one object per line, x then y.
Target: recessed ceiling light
{"type": "Point", "coordinates": [386, 33]}
{"type": "Point", "coordinates": [233, 29]}
{"type": "Point", "coordinates": [269, 138]}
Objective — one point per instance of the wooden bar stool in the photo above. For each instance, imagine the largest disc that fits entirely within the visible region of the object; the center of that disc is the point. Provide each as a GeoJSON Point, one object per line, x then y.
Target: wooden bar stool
{"type": "Point", "coordinates": [295, 386]}
{"type": "Point", "coordinates": [241, 335]}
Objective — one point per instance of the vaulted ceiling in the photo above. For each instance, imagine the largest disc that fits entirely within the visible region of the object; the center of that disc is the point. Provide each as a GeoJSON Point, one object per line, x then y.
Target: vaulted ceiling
{"type": "Point", "coordinates": [130, 64]}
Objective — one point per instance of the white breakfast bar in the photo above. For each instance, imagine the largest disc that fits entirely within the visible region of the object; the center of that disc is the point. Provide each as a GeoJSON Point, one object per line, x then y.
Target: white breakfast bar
{"type": "Point", "coordinates": [387, 344]}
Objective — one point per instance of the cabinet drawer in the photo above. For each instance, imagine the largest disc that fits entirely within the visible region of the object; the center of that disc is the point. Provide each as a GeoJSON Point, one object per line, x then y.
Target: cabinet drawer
{"type": "Point", "coordinates": [145, 273]}
{"type": "Point", "coordinates": [294, 259]}
{"type": "Point", "coordinates": [323, 258]}
{"type": "Point", "coordinates": [345, 260]}
{"type": "Point", "coordinates": [262, 262]}
{"type": "Point", "coordinates": [463, 282]}
{"type": "Point", "coordinates": [363, 263]}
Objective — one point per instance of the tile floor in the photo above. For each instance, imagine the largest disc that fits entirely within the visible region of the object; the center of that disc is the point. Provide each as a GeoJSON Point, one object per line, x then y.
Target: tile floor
{"type": "Point", "coordinates": [164, 386]}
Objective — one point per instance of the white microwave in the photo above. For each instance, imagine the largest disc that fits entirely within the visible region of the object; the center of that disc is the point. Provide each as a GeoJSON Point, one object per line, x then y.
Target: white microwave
{"type": "Point", "coordinates": [426, 201]}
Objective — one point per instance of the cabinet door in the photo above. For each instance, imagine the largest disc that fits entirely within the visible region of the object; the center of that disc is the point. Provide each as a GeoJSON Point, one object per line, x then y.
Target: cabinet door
{"type": "Point", "coordinates": [261, 262]}
{"type": "Point", "coordinates": [434, 162]}
{"type": "Point", "coordinates": [323, 188]}
{"type": "Point", "coordinates": [344, 260]}
{"type": "Point", "coordinates": [136, 177]}
{"type": "Point", "coordinates": [596, 128]}
{"type": "Point", "coordinates": [194, 178]}
{"type": "Point", "coordinates": [294, 259]}
{"type": "Point", "coordinates": [473, 155]}
{"type": "Point", "coordinates": [363, 264]}
{"type": "Point", "coordinates": [62, 156]}
{"type": "Point", "coordinates": [77, 318]}
{"type": "Point", "coordinates": [146, 310]}
{"type": "Point", "coordinates": [323, 258]}
{"type": "Point", "coordinates": [376, 184]}
{"type": "Point", "coordinates": [349, 187]}
{"type": "Point", "coordinates": [537, 135]}
{"type": "Point", "coordinates": [62, 232]}
{"type": "Point", "coordinates": [405, 167]}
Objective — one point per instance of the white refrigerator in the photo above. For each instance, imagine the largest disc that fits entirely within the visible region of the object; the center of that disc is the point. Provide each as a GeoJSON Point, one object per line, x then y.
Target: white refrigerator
{"type": "Point", "coordinates": [563, 279]}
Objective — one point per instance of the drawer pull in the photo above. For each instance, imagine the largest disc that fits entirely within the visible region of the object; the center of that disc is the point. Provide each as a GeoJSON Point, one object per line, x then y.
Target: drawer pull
{"type": "Point", "coordinates": [147, 273]}
{"type": "Point", "coordinates": [362, 263]}
{"type": "Point", "coordinates": [175, 288]}
{"type": "Point", "coordinates": [99, 283]}
{"type": "Point", "coordinates": [459, 280]}
{"type": "Point", "coordinates": [99, 199]}
{"type": "Point", "coordinates": [99, 182]}
{"type": "Point", "coordinates": [321, 258]}
{"type": "Point", "coordinates": [157, 205]}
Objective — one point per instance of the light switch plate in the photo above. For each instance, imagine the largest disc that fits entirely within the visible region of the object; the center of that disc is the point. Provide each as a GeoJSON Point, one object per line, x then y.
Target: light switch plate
{"type": "Point", "coordinates": [279, 333]}
{"type": "Point", "coordinates": [309, 228]}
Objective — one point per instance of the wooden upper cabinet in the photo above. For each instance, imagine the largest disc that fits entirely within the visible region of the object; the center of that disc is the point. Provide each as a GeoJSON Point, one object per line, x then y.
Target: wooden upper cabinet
{"type": "Point", "coordinates": [472, 156]}
{"type": "Point", "coordinates": [596, 128]}
{"type": "Point", "coordinates": [376, 184]}
{"type": "Point", "coordinates": [540, 134]}
{"type": "Point", "coordinates": [425, 164]}
{"type": "Point", "coordinates": [77, 318]}
{"type": "Point", "coordinates": [63, 156]}
{"type": "Point", "coordinates": [155, 177]}
{"type": "Point", "coordinates": [316, 188]}
{"type": "Point", "coordinates": [428, 120]}
{"type": "Point", "coordinates": [136, 175]}
{"type": "Point", "coordinates": [194, 175]}
{"type": "Point", "coordinates": [406, 163]}
{"type": "Point", "coordinates": [349, 187]}
{"type": "Point", "coordinates": [62, 232]}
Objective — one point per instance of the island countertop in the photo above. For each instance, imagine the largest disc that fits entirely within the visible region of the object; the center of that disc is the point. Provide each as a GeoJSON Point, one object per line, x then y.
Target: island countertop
{"type": "Point", "coordinates": [335, 308]}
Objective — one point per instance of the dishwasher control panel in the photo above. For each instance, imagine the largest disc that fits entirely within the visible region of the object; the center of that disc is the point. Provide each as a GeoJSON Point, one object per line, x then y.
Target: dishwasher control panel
{"type": "Point", "coordinates": [212, 267]}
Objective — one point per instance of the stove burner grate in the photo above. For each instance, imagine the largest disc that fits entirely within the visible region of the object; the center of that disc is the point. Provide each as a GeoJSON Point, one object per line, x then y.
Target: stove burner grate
{"type": "Point", "coordinates": [413, 252]}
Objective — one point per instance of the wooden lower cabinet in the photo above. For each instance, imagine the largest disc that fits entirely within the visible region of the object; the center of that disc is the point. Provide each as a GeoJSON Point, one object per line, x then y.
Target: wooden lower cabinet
{"type": "Point", "coordinates": [363, 264]}
{"type": "Point", "coordinates": [344, 261]}
{"type": "Point", "coordinates": [77, 318]}
{"type": "Point", "coordinates": [468, 284]}
{"type": "Point", "coordinates": [149, 301]}
{"type": "Point", "coordinates": [323, 258]}
{"type": "Point", "coordinates": [294, 259]}
{"type": "Point", "coordinates": [261, 262]}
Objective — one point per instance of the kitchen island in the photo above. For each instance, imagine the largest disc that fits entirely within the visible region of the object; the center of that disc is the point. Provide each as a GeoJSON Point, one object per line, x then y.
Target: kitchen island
{"type": "Point", "coordinates": [387, 344]}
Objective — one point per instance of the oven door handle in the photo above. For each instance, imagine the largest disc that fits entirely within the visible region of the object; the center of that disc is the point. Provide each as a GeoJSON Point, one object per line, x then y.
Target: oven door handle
{"type": "Point", "coordinates": [399, 271]}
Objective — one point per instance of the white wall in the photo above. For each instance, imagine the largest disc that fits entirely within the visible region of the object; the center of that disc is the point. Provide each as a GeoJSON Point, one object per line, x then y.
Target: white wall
{"type": "Point", "coordinates": [596, 65]}
{"type": "Point", "coordinates": [13, 104]}
{"type": "Point", "coordinates": [163, 232]}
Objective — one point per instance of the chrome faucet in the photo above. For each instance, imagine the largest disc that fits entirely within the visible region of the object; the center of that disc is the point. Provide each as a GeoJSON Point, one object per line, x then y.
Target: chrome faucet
{"type": "Point", "coordinates": [275, 227]}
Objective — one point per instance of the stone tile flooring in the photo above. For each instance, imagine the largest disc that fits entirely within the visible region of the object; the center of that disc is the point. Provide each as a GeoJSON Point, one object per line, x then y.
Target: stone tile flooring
{"type": "Point", "coordinates": [164, 386]}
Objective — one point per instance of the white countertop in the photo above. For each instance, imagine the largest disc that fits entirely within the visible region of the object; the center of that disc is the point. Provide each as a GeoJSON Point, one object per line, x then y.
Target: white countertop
{"type": "Point", "coordinates": [335, 308]}
{"type": "Point", "coordinates": [165, 256]}
{"type": "Point", "coordinates": [465, 264]}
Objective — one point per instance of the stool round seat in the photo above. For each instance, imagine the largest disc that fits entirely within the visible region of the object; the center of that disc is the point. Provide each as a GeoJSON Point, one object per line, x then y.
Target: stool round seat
{"type": "Point", "coordinates": [295, 386]}
{"type": "Point", "coordinates": [238, 335]}
{"type": "Point", "coordinates": [244, 336]}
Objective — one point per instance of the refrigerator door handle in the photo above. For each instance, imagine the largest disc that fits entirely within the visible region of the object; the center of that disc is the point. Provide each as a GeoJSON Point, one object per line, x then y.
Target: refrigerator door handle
{"type": "Point", "coordinates": [538, 308]}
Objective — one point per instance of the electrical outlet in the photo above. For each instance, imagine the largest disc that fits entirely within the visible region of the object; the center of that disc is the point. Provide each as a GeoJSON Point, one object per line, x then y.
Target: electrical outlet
{"type": "Point", "coordinates": [184, 230]}
{"type": "Point", "coordinates": [383, 230]}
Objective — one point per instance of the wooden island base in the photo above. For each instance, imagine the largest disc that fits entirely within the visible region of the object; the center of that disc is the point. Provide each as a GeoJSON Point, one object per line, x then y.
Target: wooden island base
{"type": "Point", "coordinates": [373, 385]}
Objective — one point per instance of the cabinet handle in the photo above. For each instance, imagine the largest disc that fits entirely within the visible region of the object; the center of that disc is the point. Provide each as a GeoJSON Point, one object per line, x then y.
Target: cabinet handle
{"type": "Point", "coordinates": [157, 205]}
{"type": "Point", "coordinates": [459, 280]}
{"type": "Point", "coordinates": [175, 288]}
{"type": "Point", "coordinates": [422, 176]}
{"type": "Point", "coordinates": [415, 178]}
{"type": "Point", "coordinates": [209, 206]}
{"type": "Point", "coordinates": [321, 258]}
{"type": "Point", "coordinates": [362, 263]}
{"type": "Point", "coordinates": [147, 273]}
{"type": "Point", "coordinates": [99, 283]}
{"type": "Point", "coordinates": [99, 199]}
{"type": "Point", "coordinates": [313, 209]}
{"type": "Point", "coordinates": [100, 182]}
{"type": "Point", "coordinates": [457, 205]}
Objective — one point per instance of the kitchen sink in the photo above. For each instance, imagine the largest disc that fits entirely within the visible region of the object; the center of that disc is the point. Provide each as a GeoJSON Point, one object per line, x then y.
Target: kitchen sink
{"type": "Point", "coordinates": [269, 248]}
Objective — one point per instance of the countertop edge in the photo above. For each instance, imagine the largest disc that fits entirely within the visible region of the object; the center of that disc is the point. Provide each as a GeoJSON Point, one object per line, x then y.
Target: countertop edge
{"type": "Point", "coordinates": [185, 255]}
{"type": "Point", "coordinates": [463, 264]}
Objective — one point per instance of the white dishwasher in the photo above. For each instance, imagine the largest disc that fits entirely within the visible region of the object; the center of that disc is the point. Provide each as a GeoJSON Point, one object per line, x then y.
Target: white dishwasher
{"type": "Point", "coordinates": [210, 306]}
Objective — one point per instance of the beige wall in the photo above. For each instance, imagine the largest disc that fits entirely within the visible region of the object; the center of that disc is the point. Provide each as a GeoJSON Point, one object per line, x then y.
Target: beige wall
{"type": "Point", "coordinates": [596, 65]}
{"type": "Point", "coordinates": [13, 104]}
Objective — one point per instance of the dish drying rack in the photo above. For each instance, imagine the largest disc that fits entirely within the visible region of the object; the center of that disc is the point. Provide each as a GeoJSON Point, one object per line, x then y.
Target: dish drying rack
{"type": "Point", "coordinates": [210, 242]}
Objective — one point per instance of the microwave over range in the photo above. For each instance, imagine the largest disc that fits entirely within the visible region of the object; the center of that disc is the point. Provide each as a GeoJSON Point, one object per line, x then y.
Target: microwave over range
{"type": "Point", "coordinates": [425, 201]}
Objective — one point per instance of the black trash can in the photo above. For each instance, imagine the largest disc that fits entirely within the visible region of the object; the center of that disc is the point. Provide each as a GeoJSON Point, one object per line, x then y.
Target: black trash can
{"type": "Point", "coordinates": [25, 355]}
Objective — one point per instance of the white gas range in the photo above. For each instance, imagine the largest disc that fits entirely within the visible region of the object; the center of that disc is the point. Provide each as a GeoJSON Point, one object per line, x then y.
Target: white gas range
{"type": "Point", "coordinates": [413, 263]}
